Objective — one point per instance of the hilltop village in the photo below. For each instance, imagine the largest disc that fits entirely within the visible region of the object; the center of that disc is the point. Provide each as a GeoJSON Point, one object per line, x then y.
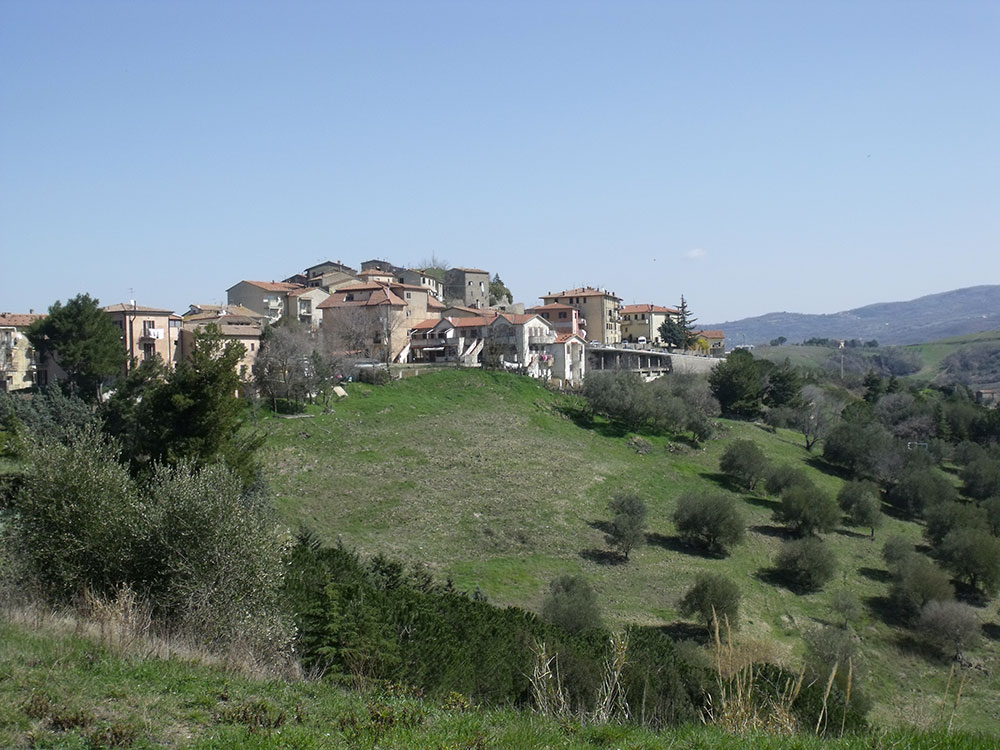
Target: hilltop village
{"type": "Point", "coordinates": [383, 314]}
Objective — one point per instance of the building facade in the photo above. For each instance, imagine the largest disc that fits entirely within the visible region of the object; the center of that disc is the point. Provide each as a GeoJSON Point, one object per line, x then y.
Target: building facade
{"type": "Point", "coordinates": [644, 321]}
{"type": "Point", "coordinates": [467, 286]}
{"type": "Point", "coordinates": [147, 332]}
{"type": "Point", "coordinates": [599, 310]}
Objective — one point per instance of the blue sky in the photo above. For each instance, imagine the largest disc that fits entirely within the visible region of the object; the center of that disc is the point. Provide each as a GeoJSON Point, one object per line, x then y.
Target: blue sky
{"type": "Point", "coordinates": [752, 156]}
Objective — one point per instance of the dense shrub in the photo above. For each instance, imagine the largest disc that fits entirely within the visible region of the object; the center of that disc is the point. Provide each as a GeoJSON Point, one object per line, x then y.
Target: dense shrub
{"type": "Point", "coordinates": [942, 518]}
{"type": "Point", "coordinates": [628, 524]}
{"type": "Point", "coordinates": [992, 509]}
{"type": "Point", "coordinates": [973, 555]}
{"type": "Point", "coordinates": [951, 626]}
{"type": "Point", "coordinates": [712, 522]}
{"type": "Point", "coordinates": [830, 648]}
{"type": "Point", "coordinates": [917, 581]}
{"type": "Point", "coordinates": [918, 490]}
{"type": "Point", "coordinates": [864, 450]}
{"type": "Point", "coordinates": [745, 462]}
{"type": "Point", "coordinates": [896, 549]}
{"type": "Point", "coordinates": [861, 502]}
{"type": "Point", "coordinates": [805, 510]}
{"type": "Point", "coordinates": [399, 626]}
{"type": "Point", "coordinates": [738, 384]}
{"type": "Point", "coordinates": [49, 414]}
{"type": "Point", "coordinates": [982, 478]}
{"type": "Point", "coordinates": [572, 605]}
{"type": "Point", "coordinates": [205, 555]}
{"type": "Point", "coordinates": [805, 564]}
{"type": "Point", "coordinates": [782, 476]}
{"type": "Point", "coordinates": [713, 597]}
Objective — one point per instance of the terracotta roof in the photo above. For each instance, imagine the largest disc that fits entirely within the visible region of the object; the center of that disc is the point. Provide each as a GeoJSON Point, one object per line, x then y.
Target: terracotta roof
{"type": "Point", "coordinates": [562, 338]}
{"type": "Point", "coordinates": [522, 318]}
{"type": "Point", "coordinates": [430, 323]}
{"type": "Point", "coordinates": [632, 309]}
{"type": "Point", "coordinates": [380, 295]}
{"type": "Point", "coordinates": [433, 303]}
{"type": "Point", "coordinates": [215, 311]}
{"type": "Point", "coordinates": [18, 320]}
{"type": "Point", "coordinates": [126, 307]}
{"type": "Point", "coordinates": [375, 272]}
{"type": "Point", "coordinates": [550, 306]}
{"type": "Point", "coordinates": [583, 291]}
{"type": "Point", "coordinates": [712, 334]}
{"type": "Point", "coordinates": [273, 286]}
{"type": "Point", "coordinates": [471, 322]}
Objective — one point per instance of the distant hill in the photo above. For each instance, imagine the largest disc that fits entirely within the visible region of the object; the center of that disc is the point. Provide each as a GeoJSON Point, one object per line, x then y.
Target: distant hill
{"type": "Point", "coordinates": [936, 316]}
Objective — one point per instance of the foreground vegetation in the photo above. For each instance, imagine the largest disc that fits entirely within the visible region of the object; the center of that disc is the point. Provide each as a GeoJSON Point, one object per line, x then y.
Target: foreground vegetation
{"type": "Point", "coordinates": [63, 687]}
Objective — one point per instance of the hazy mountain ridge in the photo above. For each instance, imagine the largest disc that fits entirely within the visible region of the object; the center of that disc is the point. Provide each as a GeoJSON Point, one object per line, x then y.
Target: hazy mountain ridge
{"type": "Point", "coordinates": [934, 316]}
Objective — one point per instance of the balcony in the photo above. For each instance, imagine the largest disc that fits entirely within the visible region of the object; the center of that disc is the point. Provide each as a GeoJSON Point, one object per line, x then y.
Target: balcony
{"type": "Point", "coordinates": [153, 334]}
{"type": "Point", "coordinates": [542, 339]}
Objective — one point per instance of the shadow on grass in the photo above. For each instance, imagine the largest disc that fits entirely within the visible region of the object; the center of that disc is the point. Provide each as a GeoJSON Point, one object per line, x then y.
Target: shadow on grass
{"type": "Point", "coordinates": [853, 534]}
{"type": "Point", "coordinates": [685, 631]}
{"type": "Point", "coordinates": [908, 643]}
{"type": "Point", "coordinates": [778, 578]}
{"type": "Point", "coordinates": [584, 420]}
{"type": "Point", "coordinates": [605, 527]}
{"type": "Point", "coordinates": [761, 502]}
{"type": "Point", "coordinates": [969, 595]}
{"type": "Point", "coordinates": [876, 574]}
{"type": "Point", "coordinates": [724, 481]}
{"type": "Point", "coordinates": [678, 544]}
{"type": "Point", "coordinates": [991, 630]}
{"type": "Point", "coordinates": [829, 469]}
{"type": "Point", "coordinates": [777, 532]}
{"type": "Point", "coordinates": [602, 556]}
{"type": "Point", "coordinates": [899, 514]}
{"type": "Point", "coordinates": [883, 608]}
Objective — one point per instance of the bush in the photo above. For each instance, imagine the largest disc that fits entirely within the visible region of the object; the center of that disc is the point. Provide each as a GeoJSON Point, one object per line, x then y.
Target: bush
{"type": "Point", "coordinates": [942, 518]}
{"type": "Point", "coordinates": [862, 504]}
{"type": "Point", "coordinates": [918, 490]}
{"type": "Point", "coordinates": [572, 605]}
{"type": "Point", "coordinates": [204, 554]}
{"type": "Point", "coordinates": [918, 581]}
{"type": "Point", "coordinates": [712, 522]}
{"type": "Point", "coordinates": [951, 626]}
{"type": "Point", "coordinates": [982, 478]}
{"type": "Point", "coordinates": [745, 462]}
{"type": "Point", "coordinates": [992, 509]}
{"type": "Point", "coordinates": [805, 510]}
{"type": "Point", "coordinates": [805, 564]}
{"type": "Point", "coordinates": [846, 606]}
{"type": "Point", "coordinates": [973, 555]}
{"type": "Point", "coordinates": [628, 527]}
{"type": "Point", "coordinates": [865, 450]}
{"type": "Point", "coordinates": [896, 549]}
{"type": "Point", "coordinates": [780, 478]}
{"type": "Point", "coordinates": [713, 596]}
{"type": "Point", "coordinates": [827, 647]}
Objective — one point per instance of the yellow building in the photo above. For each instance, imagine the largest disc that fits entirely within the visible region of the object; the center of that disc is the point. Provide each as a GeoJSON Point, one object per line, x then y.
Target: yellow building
{"type": "Point", "coordinates": [644, 321]}
{"type": "Point", "coordinates": [147, 332]}
{"type": "Point", "coordinates": [600, 312]}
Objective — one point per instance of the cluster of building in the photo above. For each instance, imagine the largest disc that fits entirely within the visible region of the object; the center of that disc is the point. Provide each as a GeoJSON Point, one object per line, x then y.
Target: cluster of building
{"type": "Point", "coordinates": [382, 313]}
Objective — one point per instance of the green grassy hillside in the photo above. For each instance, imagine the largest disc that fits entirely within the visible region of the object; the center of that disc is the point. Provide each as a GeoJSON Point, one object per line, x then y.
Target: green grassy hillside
{"type": "Point", "coordinates": [483, 477]}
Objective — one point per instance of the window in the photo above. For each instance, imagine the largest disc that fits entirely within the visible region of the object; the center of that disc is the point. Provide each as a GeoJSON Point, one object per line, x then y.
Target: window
{"type": "Point", "coordinates": [251, 346]}
{"type": "Point", "coordinates": [148, 351]}
{"type": "Point", "coordinates": [409, 295]}
{"type": "Point", "coordinates": [348, 298]}
{"type": "Point", "coordinates": [561, 315]}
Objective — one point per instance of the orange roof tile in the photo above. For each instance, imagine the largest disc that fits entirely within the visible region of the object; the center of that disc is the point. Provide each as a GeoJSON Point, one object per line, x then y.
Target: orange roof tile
{"type": "Point", "coordinates": [127, 307]}
{"type": "Point", "coordinates": [18, 320]}
{"type": "Point", "coordinates": [583, 291]}
{"type": "Point", "coordinates": [273, 286]}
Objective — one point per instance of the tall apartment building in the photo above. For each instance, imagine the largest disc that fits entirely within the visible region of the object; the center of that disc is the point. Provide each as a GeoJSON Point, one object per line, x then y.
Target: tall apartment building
{"type": "Point", "coordinates": [600, 311]}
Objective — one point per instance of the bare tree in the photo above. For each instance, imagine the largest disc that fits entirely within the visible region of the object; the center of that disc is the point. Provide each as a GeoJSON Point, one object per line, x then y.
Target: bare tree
{"type": "Point", "coordinates": [819, 415]}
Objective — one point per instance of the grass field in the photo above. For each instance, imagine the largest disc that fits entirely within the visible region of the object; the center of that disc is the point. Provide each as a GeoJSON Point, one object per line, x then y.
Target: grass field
{"type": "Point", "coordinates": [62, 690]}
{"type": "Point", "coordinates": [483, 477]}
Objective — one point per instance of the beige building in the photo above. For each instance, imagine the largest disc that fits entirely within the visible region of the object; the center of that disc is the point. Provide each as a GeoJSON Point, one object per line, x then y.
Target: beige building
{"type": "Point", "coordinates": [565, 318]}
{"type": "Point", "coordinates": [599, 311]}
{"type": "Point", "coordinates": [569, 359]}
{"type": "Point", "coordinates": [268, 298]}
{"type": "Point", "coordinates": [19, 366]}
{"type": "Point", "coordinates": [373, 319]}
{"type": "Point", "coordinates": [644, 321]}
{"type": "Point", "coordinates": [147, 332]}
{"type": "Point", "coordinates": [711, 342]}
